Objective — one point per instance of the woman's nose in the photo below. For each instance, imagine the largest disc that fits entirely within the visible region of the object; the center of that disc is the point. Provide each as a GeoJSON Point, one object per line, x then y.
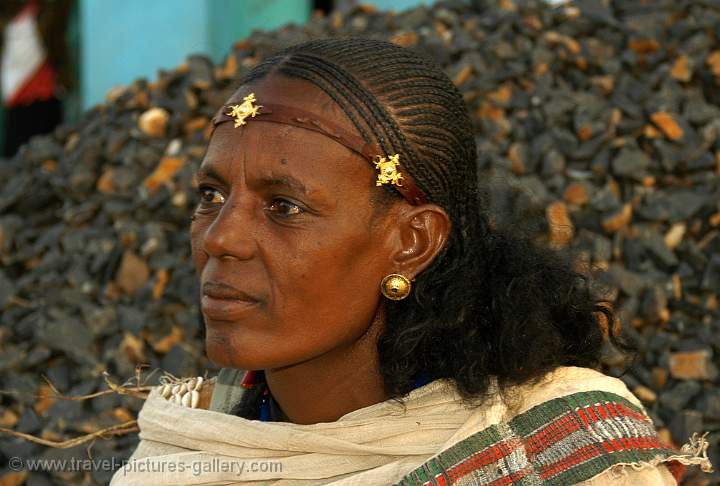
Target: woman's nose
{"type": "Point", "coordinates": [231, 234]}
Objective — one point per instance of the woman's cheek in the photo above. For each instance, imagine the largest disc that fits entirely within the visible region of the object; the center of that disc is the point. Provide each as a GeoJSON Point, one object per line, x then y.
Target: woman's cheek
{"type": "Point", "coordinates": [196, 244]}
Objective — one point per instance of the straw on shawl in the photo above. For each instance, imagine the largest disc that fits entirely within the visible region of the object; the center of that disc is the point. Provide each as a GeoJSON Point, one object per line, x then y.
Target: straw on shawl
{"type": "Point", "coordinates": [376, 445]}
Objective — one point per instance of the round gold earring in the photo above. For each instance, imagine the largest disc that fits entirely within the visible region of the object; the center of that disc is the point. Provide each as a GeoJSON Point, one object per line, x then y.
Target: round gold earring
{"type": "Point", "coordinates": [395, 286]}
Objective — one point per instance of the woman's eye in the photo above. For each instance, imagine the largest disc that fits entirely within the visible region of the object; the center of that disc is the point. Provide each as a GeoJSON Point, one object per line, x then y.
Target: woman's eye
{"type": "Point", "coordinates": [278, 206]}
{"type": "Point", "coordinates": [208, 195]}
{"type": "Point", "coordinates": [283, 207]}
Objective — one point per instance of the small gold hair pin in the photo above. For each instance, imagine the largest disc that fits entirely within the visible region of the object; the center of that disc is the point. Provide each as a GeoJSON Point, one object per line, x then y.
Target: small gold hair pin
{"type": "Point", "coordinates": [244, 110]}
{"type": "Point", "coordinates": [388, 170]}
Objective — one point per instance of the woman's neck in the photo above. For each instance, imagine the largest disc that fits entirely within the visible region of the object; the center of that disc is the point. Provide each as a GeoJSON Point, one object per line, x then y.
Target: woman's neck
{"type": "Point", "coordinates": [336, 383]}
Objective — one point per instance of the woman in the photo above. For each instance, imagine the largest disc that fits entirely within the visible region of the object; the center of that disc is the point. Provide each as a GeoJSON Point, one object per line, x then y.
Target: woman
{"type": "Point", "coordinates": [393, 335]}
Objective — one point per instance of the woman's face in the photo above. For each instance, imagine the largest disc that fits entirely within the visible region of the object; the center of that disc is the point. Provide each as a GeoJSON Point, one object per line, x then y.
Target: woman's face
{"type": "Point", "coordinates": [285, 219]}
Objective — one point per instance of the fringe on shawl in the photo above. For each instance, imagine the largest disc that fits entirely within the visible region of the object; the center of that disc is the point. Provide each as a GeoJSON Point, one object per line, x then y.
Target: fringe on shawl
{"type": "Point", "coordinates": [693, 453]}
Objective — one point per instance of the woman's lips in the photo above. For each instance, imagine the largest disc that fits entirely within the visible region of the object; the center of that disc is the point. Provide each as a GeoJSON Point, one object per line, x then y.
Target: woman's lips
{"type": "Point", "coordinates": [219, 290]}
{"type": "Point", "coordinates": [225, 309]}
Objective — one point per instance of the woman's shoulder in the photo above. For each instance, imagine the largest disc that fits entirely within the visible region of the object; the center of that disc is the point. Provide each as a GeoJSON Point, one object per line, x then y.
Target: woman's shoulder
{"type": "Point", "coordinates": [567, 381]}
{"type": "Point", "coordinates": [574, 425]}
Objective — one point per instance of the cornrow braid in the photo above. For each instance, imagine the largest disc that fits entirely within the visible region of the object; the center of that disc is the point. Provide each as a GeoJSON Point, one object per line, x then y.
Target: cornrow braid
{"type": "Point", "coordinates": [388, 126]}
{"type": "Point", "coordinates": [366, 99]}
{"type": "Point", "coordinates": [491, 305]}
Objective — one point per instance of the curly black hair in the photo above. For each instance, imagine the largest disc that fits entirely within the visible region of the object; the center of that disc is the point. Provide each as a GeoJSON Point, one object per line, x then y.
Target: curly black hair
{"type": "Point", "coordinates": [492, 304]}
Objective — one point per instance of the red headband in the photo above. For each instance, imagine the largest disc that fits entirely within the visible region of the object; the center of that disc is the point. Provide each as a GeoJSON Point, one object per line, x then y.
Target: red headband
{"type": "Point", "coordinates": [388, 167]}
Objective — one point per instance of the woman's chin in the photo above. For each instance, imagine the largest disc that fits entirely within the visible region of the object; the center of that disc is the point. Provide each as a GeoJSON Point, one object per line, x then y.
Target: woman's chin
{"type": "Point", "coordinates": [229, 353]}
{"type": "Point", "coordinates": [220, 349]}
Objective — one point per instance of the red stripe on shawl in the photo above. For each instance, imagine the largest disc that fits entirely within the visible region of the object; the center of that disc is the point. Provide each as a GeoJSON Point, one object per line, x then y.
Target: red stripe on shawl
{"type": "Point", "coordinates": [626, 411]}
{"type": "Point", "coordinates": [550, 434]}
{"type": "Point", "coordinates": [583, 417]}
{"type": "Point", "coordinates": [591, 452]}
{"type": "Point", "coordinates": [485, 458]}
{"type": "Point", "coordinates": [605, 412]}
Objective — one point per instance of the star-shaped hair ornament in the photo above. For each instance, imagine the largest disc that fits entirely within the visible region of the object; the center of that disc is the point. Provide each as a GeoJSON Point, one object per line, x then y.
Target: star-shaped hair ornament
{"type": "Point", "coordinates": [244, 110]}
{"type": "Point", "coordinates": [388, 173]}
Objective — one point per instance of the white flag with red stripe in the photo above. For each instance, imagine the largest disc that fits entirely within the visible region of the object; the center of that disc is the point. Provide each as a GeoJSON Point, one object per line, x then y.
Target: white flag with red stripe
{"type": "Point", "coordinates": [26, 75]}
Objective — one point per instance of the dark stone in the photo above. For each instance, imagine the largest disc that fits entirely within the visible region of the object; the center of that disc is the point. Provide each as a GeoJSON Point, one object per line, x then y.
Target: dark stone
{"type": "Point", "coordinates": [16, 447]}
{"type": "Point", "coordinates": [627, 308]}
{"type": "Point", "coordinates": [38, 479]}
{"type": "Point", "coordinates": [709, 404]}
{"type": "Point", "coordinates": [631, 283]}
{"type": "Point", "coordinates": [656, 419]}
{"type": "Point", "coordinates": [191, 322]}
{"type": "Point", "coordinates": [24, 384]}
{"type": "Point", "coordinates": [7, 289]}
{"type": "Point", "coordinates": [658, 250]}
{"type": "Point", "coordinates": [100, 320]}
{"type": "Point", "coordinates": [711, 276]}
{"type": "Point", "coordinates": [659, 341]}
{"type": "Point", "coordinates": [106, 402]}
{"type": "Point", "coordinates": [605, 200]}
{"type": "Point", "coordinates": [38, 355]}
{"type": "Point", "coordinates": [692, 255]}
{"type": "Point", "coordinates": [11, 357]}
{"type": "Point", "coordinates": [685, 424]}
{"type": "Point", "coordinates": [68, 335]}
{"type": "Point", "coordinates": [59, 376]}
{"type": "Point", "coordinates": [705, 162]}
{"type": "Point", "coordinates": [631, 163]}
{"type": "Point", "coordinates": [654, 303]}
{"type": "Point", "coordinates": [13, 190]}
{"type": "Point", "coordinates": [600, 163]}
{"type": "Point", "coordinates": [29, 422]}
{"type": "Point", "coordinates": [553, 163]}
{"type": "Point", "coordinates": [677, 397]}
{"type": "Point", "coordinates": [66, 411]}
{"type": "Point", "coordinates": [179, 361]}
{"type": "Point", "coordinates": [202, 71]}
{"type": "Point", "coordinates": [699, 112]}
{"type": "Point", "coordinates": [672, 207]}
{"type": "Point", "coordinates": [132, 319]}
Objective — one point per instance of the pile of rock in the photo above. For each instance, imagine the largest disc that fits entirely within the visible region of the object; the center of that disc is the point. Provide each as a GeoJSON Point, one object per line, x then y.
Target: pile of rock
{"type": "Point", "coordinates": [603, 116]}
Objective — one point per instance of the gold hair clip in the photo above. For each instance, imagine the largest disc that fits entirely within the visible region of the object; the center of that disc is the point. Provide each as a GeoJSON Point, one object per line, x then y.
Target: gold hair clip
{"type": "Point", "coordinates": [388, 170]}
{"type": "Point", "coordinates": [244, 110]}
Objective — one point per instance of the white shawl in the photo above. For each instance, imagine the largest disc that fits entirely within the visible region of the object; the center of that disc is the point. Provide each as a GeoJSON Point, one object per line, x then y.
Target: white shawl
{"type": "Point", "coordinates": [375, 445]}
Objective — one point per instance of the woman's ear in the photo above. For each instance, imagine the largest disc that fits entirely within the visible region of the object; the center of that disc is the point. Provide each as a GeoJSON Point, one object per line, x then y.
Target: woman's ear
{"type": "Point", "coordinates": [424, 231]}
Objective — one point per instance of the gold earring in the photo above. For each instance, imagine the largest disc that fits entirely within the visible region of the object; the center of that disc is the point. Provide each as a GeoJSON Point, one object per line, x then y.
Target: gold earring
{"type": "Point", "coordinates": [395, 286]}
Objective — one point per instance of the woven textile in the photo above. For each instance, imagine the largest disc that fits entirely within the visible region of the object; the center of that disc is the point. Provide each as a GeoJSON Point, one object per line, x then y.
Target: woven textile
{"type": "Point", "coordinates": [576, 423]}
{"type": "Point", "coordinates": [560, 442]}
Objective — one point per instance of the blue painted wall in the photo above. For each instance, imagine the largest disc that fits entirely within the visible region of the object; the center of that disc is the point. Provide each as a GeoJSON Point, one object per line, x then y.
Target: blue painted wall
{"type": "Point", "coordinates": [125, 40]}
{"type": "Point", "coordinates": [397, 5]}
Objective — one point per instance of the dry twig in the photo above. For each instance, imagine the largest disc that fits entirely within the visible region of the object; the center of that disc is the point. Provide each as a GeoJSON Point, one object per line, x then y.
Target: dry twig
{"type": "Point", "coordinates": [134, 387]}
{"type": "Point", "coordinates": [119, 429]}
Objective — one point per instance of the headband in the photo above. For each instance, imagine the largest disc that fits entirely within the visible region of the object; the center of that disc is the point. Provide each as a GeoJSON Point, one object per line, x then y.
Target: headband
{"type": "Point", "coordinates": [388, 166]}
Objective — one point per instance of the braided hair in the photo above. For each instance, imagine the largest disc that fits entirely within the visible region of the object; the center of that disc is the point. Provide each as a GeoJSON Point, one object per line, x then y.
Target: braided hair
{"type": "Point", "coordinates": [491, 304]}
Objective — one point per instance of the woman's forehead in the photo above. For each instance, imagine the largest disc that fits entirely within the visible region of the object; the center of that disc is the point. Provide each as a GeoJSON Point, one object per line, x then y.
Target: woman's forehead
{"type": "Point", "coordinates": [262, 151]}
{"type": "Point", "coordinates": [269, 150]}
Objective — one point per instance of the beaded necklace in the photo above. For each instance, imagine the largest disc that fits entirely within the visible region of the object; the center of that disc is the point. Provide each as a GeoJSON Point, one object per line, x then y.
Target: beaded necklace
{"type": "Point", "coordinates": [256, 377]}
